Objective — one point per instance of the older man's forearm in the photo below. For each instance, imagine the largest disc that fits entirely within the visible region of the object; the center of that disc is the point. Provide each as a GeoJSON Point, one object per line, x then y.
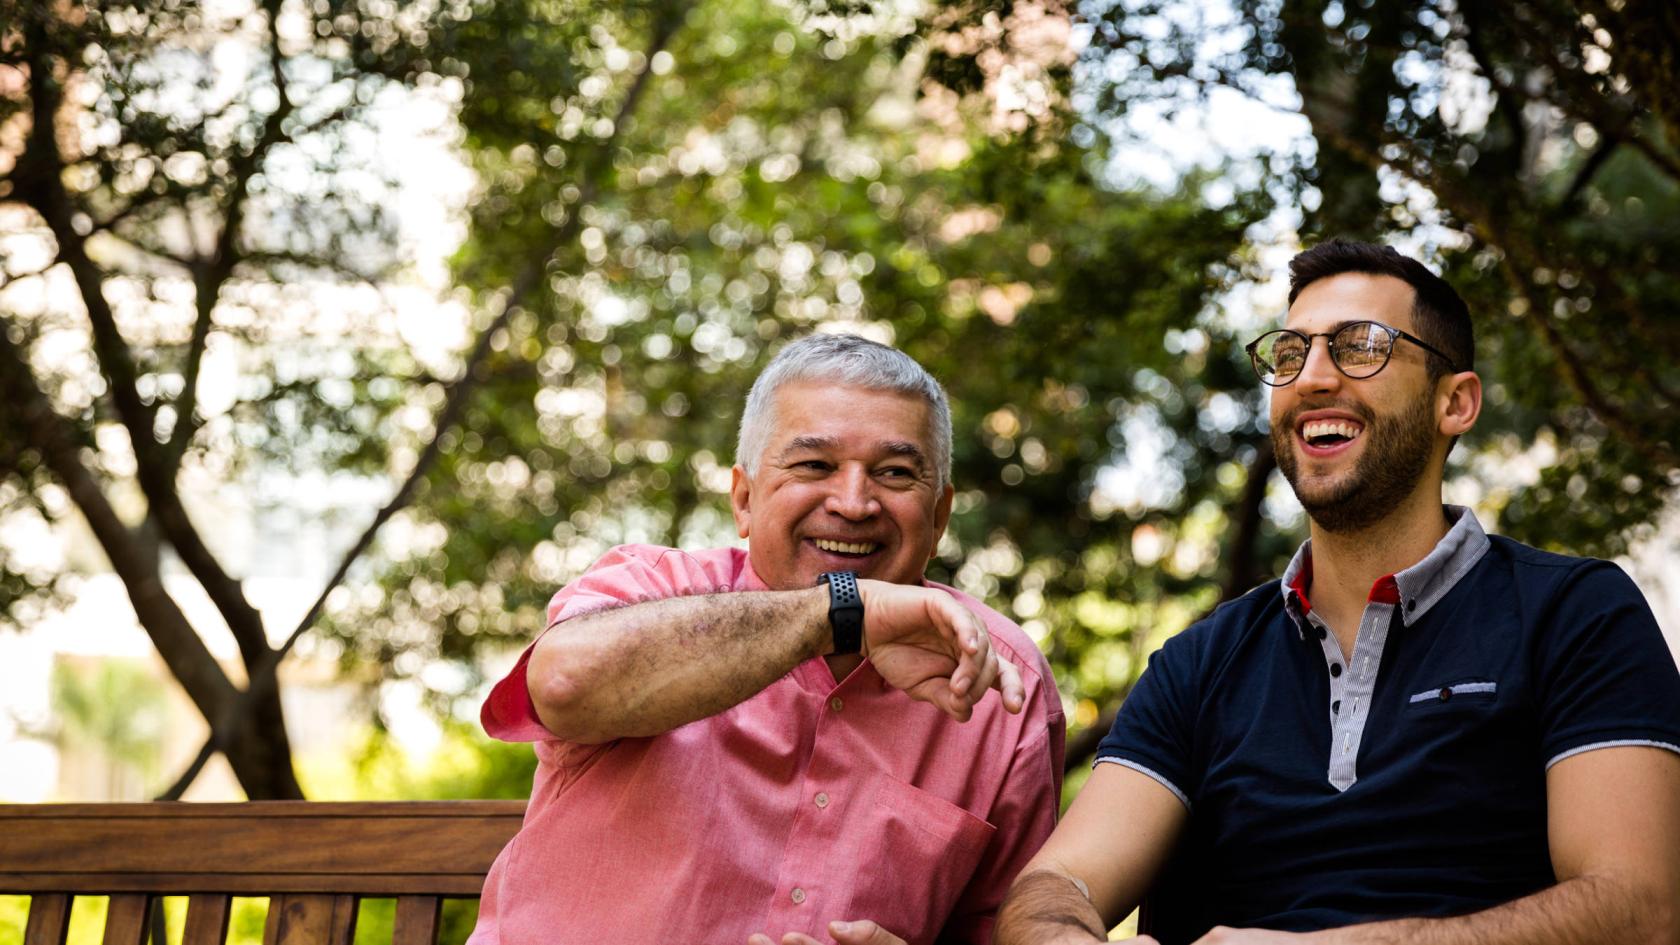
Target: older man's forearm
{"type": "Point", "coordinates": [647, 668]}
{"type": "Point", "coordinates": [1045, 907]}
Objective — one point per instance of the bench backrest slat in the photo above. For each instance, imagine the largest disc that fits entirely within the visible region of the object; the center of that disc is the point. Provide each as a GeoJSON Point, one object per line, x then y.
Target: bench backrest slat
{"type": "Point", "coordinates": [417, 920]}
{"type": "Point", "coordinates": [310, 919]}
{"type": "Point", "coordinates": [49, 920]}
{"type": "Point", "coordinates": [207, 919]}
{"type": "Point", "coordinates": [125, 919]}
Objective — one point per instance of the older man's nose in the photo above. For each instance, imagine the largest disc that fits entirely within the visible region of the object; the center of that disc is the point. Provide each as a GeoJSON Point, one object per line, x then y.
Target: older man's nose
{"type": "Point", "coordinates": [853, 495]}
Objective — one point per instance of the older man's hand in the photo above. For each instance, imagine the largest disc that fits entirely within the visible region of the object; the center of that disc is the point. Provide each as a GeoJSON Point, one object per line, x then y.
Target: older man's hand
{"type": "Point", "coordinates": [921, 640]}
{"type": "Point", "coordinates": [856, 932]}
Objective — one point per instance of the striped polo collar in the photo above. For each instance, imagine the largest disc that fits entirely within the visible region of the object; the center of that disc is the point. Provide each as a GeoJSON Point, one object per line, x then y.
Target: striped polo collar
{"type": "Point", "coordinates": [1417, 588]}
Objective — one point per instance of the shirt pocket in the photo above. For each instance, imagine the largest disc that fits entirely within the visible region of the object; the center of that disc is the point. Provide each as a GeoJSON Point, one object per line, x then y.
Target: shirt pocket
{"type": "Point", "coordinates": [1465, 695]}
{"type": "Point", "coordinates": [920, 852]}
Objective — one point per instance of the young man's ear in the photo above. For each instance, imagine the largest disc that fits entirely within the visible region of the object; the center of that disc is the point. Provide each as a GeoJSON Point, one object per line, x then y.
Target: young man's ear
{"type": "Point", "coordinates": [1461, 400]}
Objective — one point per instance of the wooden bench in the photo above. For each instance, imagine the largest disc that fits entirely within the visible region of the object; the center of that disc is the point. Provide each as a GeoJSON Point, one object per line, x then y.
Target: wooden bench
{"type": "Point", "coordinates": [315, 862]}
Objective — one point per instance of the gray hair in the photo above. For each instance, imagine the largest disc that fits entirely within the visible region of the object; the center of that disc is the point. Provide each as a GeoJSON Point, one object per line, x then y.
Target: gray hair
{"type": "Point", "coordinates": [843, 359]}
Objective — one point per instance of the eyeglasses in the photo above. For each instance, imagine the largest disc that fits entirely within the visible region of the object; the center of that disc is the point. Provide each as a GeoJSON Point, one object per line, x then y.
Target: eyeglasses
{"type": "Point", "coordinates": [1358, 349]}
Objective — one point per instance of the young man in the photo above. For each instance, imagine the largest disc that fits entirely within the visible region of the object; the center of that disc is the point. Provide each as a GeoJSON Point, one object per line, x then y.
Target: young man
{"type": "Point", "coordinates": [733, 742]}
{"type": "Point", "coordinates": [1420, 734]}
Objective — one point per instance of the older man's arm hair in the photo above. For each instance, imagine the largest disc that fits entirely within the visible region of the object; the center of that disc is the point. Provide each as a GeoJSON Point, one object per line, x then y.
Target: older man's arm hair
{"type": "Point", "coordinates": [650, 667]}
{"type": "Point", "coordinates": [647, 668]}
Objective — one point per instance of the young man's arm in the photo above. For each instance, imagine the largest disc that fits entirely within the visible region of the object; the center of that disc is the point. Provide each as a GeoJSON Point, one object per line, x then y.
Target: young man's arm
{"type": "Point", "coordinates": [1613, 817]}
{"type": "Point", "coordinates": [650, 667]}
{"type": "Point", "coordinates": [1098, 863]}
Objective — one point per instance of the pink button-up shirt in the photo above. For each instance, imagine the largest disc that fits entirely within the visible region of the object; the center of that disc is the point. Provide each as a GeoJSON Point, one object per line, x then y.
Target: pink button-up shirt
{"type": "Point", "coordinates": [811, 801]}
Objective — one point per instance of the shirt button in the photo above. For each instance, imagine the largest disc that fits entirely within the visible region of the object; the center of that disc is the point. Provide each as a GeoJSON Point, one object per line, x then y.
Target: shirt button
{"type": "Point", "coordinates": [1322, 633]}
{"type": "Point", "coordinates": [798, 895]}
{"type": "Point", "coordinates": [1446, 693]}
{"type": "Point", "coordinates": [1335, 669]}
{"type": "Point", "coordinates": [822, 800]}
{"type": "Point", "coordinates": [1336, 707]}
{"type": "Point", "coordinates": [836, 704]}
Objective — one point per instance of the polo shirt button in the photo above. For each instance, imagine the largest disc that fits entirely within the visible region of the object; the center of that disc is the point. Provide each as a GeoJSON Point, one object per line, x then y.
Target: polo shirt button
{"type": "Point", "coordinates": [1322, 633]}
{"type": "Point", "coordinates": [1411, 605]}
{"type": "Point", "coordinates": [1336, 707]}
{"type": "Point", "coordinates": [822, 800]}
{"type": "Point", "coordinates": [1335, 669]}
{"type": "Point", "coordinates": [798, 895]}
{"type": "Point", "coordinates": [1446, 693]}
{"type": "Point", "coordinates": [836, 704]}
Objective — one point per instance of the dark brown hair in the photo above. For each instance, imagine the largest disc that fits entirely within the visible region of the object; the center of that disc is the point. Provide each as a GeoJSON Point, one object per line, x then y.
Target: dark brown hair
{"type": "Point", "coordinates": [1442, 318]}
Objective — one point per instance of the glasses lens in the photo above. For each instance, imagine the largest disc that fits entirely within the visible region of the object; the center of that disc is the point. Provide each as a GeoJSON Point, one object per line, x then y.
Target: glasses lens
{"type": "Point", "coordinates": [1280, 354]}
{"type": "Point", "coordinates": [1362, 348]}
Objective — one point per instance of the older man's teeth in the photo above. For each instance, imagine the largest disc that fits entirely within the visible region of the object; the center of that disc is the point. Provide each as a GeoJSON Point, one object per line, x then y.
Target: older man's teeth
{"type": "Point", "coordinates": [1320, 429]}
{"type": "Point", "coordinates": [847, 547]}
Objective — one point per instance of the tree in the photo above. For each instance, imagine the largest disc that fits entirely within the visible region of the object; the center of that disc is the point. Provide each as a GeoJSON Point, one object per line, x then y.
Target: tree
{"type": "Point", "coordinates": [173, 157]}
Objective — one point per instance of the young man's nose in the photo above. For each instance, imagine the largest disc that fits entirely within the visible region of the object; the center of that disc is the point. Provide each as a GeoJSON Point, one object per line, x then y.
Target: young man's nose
{"type": "Point", "coordinates": [1319, 372]}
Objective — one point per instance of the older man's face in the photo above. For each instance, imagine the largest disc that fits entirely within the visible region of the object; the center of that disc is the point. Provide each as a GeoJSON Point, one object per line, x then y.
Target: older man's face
{"type": "Point", "coordinates": [846, 483]}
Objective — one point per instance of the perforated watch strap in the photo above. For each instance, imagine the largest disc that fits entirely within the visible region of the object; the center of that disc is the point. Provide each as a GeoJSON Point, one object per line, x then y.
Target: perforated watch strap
{"type": "Point", "coordinates": [845, 610]}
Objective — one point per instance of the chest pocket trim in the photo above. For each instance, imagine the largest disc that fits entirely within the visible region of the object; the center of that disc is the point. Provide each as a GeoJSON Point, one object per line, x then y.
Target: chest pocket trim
{"type": "Point", "coordinates": [1446, 693]}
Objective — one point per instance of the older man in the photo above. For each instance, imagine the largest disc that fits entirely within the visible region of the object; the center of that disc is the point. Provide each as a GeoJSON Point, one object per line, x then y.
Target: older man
{"type": "Point", "coordinates": [796, 738]}
{"type": "Point", "coordinates": [1422, 733]}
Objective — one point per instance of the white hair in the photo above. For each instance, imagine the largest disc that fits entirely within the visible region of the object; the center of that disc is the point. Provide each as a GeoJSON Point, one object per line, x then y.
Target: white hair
{"type": "Point", "coordinates": [851, 360]}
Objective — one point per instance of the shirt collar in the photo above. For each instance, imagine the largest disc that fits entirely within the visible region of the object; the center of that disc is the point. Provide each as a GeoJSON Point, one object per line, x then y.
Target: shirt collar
{"type": "Point", "coordinates": [1417, 588]}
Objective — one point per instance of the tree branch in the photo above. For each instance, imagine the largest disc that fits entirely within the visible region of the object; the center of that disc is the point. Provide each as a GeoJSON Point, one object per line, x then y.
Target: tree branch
{"type": "Point", "coordinates": [38, 424]}
{"type": "Point", "coordinates": [210, 277]}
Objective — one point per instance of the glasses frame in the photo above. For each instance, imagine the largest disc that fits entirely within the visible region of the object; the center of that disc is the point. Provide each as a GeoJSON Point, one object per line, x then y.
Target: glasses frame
{"type": "Point", "coordinates": [1330, 343]}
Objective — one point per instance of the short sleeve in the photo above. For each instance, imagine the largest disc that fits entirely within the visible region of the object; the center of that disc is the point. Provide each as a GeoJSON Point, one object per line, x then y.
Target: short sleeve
{"type": "Point", "coordinates": [1605, 675]}
{"type": "Point", "coordinates": [1154, 733]}
{"type": "Point", "coordinates": [628, 574]}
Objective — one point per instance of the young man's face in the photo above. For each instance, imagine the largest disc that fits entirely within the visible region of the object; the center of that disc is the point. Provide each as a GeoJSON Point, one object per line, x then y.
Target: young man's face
{"type": "Point", "coordinates": [846, 483]}
{"type": "Point", "coordinates": [1347, 482]}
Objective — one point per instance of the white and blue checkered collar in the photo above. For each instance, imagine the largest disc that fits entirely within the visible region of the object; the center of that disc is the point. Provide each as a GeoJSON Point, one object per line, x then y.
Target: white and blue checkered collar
{"type": "Point", "coordinates": [1416, 589]}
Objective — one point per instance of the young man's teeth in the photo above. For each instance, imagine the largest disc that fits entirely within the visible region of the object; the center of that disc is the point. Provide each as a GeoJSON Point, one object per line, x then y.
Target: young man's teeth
{"type": "Point", "coordinates": [1317, 428]}
{"type": "Point", "coordinates": [846, 547]}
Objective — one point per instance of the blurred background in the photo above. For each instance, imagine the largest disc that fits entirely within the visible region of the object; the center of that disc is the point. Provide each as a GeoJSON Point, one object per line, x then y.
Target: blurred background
{"type": "Point", "coordinates": [338, 334]}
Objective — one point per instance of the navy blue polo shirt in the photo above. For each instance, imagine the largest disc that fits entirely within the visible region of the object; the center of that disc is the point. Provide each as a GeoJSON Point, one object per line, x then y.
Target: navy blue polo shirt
{"type": "Point", "coordinates": [1408, 780]}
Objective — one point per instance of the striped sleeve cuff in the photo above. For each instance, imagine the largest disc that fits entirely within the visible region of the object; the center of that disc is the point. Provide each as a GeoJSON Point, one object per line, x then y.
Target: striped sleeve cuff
{"type": "Point", "coordinates": [1152, 774]}
{"type": "Point", "coordinates": [1617, 743]}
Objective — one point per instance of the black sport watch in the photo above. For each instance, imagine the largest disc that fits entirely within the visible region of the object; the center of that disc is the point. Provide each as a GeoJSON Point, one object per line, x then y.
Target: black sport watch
{"type": "Point", "coordinates": [845, 611]}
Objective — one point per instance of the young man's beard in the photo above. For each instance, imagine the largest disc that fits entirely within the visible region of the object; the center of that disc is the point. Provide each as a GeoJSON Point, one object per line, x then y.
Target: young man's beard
{"type": "Point", "coordinates": [1397, 451]}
